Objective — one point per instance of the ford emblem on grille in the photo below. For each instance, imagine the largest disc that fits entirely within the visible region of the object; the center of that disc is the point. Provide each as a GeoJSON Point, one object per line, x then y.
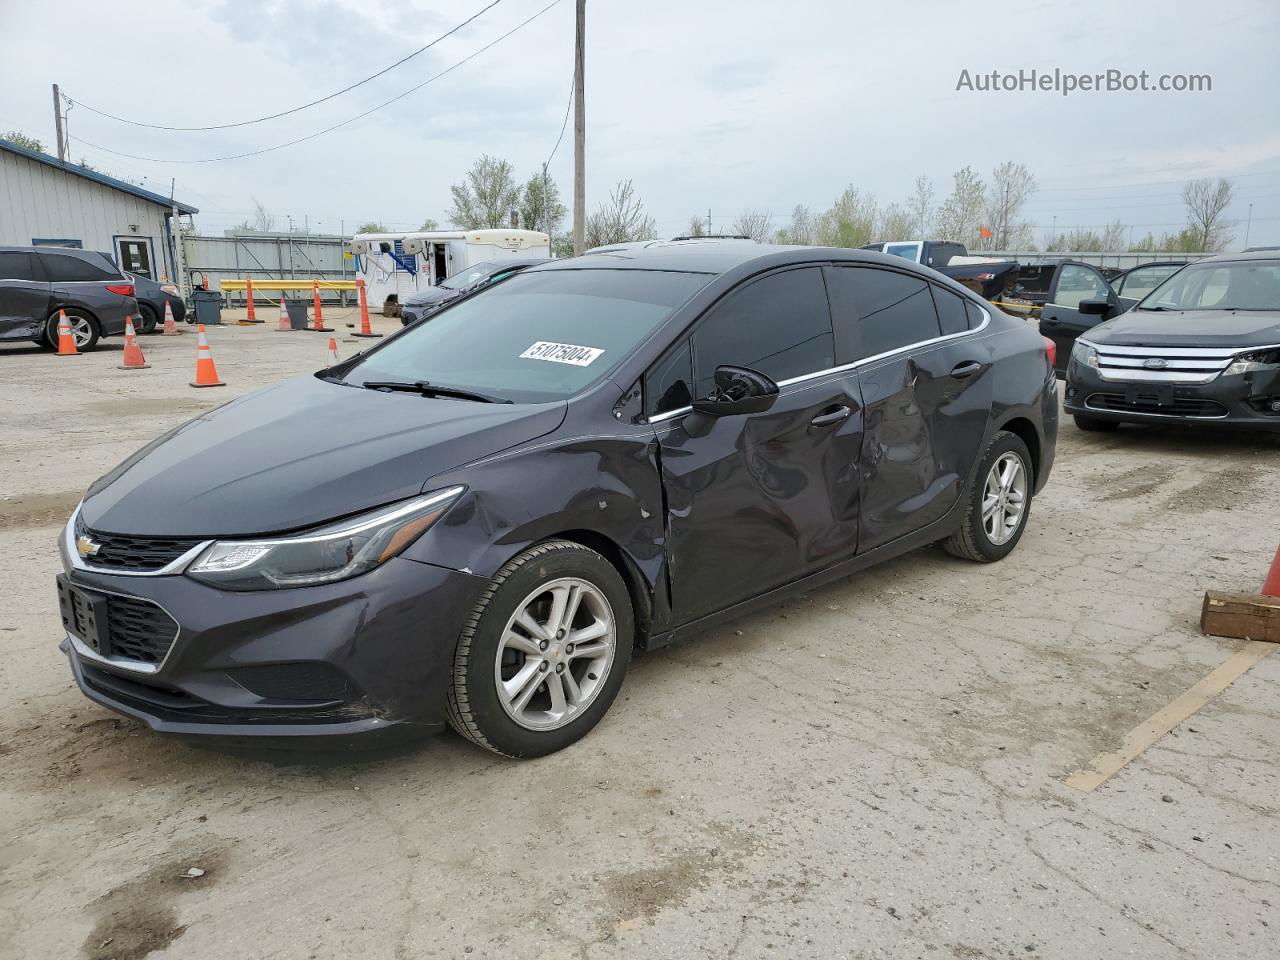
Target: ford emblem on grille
{"type": "Point", "coordinates": [1155, 363]}
{"type": "Point", "coordinates": [86, 547]}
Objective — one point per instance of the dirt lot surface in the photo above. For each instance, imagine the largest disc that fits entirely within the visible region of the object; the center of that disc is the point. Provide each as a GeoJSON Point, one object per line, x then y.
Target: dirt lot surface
{"type": "Point", "coordinates": [872, 770]}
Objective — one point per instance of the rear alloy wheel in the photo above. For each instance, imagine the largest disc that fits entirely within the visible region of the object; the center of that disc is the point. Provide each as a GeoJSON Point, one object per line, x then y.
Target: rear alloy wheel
{"type": "Point", "coordinates": [149, 319]}
{"type": "Point", "coordinates": [1094, 425]}
{"type": "Point", "coordinates": [543, 654]}
{"type": "Point", "coordinates": [83, 328]}
{"type": "Point", "coordinates": [999, 502]}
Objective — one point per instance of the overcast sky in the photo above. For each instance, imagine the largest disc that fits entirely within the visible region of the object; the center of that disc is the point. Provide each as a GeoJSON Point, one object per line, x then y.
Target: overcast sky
{"type": "Point", "coordinates": [730, 105]}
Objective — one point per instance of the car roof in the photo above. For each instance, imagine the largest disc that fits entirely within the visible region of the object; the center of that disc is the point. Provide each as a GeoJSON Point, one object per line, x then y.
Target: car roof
{"type": "Point", "coordinates": [51, 248]}
{"type": "Point", "coordinates": [717, 258]}
{"type": "Point", "coordinates": [1246, 255]}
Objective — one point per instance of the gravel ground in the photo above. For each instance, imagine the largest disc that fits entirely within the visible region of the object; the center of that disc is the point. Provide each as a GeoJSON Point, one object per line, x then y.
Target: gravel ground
{"type": "Point", "coordinates": [871, 770]}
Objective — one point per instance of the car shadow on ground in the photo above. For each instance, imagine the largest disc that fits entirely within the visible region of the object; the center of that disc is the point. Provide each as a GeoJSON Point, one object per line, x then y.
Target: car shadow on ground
{"type": "Point", "coordinates": [1195, 441]}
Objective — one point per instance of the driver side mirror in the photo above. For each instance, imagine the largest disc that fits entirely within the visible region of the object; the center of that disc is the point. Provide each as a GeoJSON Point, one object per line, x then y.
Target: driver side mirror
{"type": "Point", "coordinates": [1096, 305]}
{"type": "Point", "coordinates": [738, 390]}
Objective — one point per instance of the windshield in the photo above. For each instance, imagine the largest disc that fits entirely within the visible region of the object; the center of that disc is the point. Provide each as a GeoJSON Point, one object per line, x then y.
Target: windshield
{"type": "Point", "coordinates": [464, 279]}
{"type": "Point", "coordinates": [537, 337]}
{"type": "Point", "coordinates": [1236, 285]}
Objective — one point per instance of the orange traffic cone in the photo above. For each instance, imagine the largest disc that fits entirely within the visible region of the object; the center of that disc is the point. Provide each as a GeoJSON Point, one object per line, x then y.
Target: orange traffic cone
{"type": "Point", "coordinates": [333, 351]}
{"type": "Point", "coordinates": [319, 326]}
{"type": "Point", "coordinates": [366, 330]}
{"type": "Point", "coordinates": [66, 342]}
{"type": "Point", "coordinates": [170, 328]}
{"type": "Point", "coordinates": [283, 325]}
{"type": "Point", "coordinates": [1272, 587]}
{"type": "Point", "coordinates": [206, 372]}
{"type": "Point", "coordinates": [133, 358]}
{"type": "Point", "coordinates": [250, 315]}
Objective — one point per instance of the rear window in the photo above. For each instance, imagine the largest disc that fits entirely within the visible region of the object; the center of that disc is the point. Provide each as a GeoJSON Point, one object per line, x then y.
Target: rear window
{"type": "Point", "coordinates": [66, 268]}
{"type": "Point", "coordinates": [536, 337]}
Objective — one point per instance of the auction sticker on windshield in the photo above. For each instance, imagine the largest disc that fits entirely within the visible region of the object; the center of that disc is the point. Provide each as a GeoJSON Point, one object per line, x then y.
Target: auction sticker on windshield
{"type": "Point", "coordinates": [562, 353]}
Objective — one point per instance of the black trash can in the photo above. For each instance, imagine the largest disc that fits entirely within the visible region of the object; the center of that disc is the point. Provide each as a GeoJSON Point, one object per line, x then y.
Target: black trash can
{"type": "Point", "coordinates": [297, 313]}
{"type": "Point", "coordinates": [208, 306]}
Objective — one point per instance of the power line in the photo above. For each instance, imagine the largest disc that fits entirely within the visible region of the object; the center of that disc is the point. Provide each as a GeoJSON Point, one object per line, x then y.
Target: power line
{"type": "Point", "coordinates": [565, 125]}
{"type": "Point", "coordinates": [285, 113]}
{"type": "Point", "coordinates": [336, 126]}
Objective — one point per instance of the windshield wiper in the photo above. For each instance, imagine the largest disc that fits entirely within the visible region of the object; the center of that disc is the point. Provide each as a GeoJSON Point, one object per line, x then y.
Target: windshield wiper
{"type": "Point", "coordinates": [430, 390]}
{"type": "Point", "coordinates": [1163, 309]}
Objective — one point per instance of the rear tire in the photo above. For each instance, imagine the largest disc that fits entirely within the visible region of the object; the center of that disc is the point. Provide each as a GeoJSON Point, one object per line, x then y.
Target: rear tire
{"type": "Point", "coordinates": [996, 514]}
{"type": "Point", "coordinates": [535, 669]}
{"type": "Point", "coordinates": [83, 327]}
{"type": "Point", "coordinates": [1094, 425]}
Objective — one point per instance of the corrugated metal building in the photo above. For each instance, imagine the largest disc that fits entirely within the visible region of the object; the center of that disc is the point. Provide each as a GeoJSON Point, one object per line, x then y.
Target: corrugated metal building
{"type": "Point", "coordinates": [44, 201]}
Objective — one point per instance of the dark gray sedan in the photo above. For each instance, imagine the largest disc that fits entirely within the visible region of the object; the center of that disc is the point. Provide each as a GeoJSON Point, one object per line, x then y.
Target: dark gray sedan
{"type": "Point", "coordinates": [426, 302]}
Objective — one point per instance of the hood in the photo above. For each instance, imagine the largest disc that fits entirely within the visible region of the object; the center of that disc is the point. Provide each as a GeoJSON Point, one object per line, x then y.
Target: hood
{"type": "Point", "coordinates": [429, 297]}
{"type": "Point", "coordinates": [1194, 328]}
{"type": "Point", "coordinates": [298, 454]}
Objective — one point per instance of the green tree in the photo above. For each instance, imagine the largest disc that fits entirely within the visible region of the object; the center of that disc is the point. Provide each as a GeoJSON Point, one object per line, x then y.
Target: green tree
{"type": "Point", "coordinates": [540, 206]}
{"type": "Point", "coordinates": [850, 222]}
{"type": "Point", "coordinates": [801, 231]}
{"type": "Point", "coordinates": [1207, 204]}
{"type": "Point", "coordinates": [960, 215]}
{"type": "Point", "coordinates": [487, 197]}
{"type": "Point", "coordinates": [22, 140]}
{"type": "Point", "coordinates": [428, 225]}
{"type": "Point", "coordinates": [373, 226]}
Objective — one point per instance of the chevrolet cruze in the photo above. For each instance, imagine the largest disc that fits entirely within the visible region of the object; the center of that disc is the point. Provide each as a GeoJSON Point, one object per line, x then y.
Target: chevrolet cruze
{"type": "Point", "coordinates": [478, 521]}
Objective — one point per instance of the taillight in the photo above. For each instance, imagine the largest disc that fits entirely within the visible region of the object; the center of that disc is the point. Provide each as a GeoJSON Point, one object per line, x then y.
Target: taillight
{"type": "Point", "coordinates": [1051, 352]}
{"type": "Point", "coordinates": [121, 289]}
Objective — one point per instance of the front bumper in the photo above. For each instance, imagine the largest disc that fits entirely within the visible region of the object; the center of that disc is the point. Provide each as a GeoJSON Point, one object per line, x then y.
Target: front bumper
{"type": "Point", "coordinates": [1237, 401]}
{"type": "Point", "coordinates": [337, 664]}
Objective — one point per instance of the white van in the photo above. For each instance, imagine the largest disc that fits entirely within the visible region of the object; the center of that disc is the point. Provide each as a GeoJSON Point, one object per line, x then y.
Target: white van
{"type": "Point", "coordinates": [395, 265]}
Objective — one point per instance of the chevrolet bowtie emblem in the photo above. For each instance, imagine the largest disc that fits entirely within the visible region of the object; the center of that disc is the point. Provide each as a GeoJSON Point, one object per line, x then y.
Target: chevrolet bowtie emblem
{"type": "Point", "coordinates": [86, 547]}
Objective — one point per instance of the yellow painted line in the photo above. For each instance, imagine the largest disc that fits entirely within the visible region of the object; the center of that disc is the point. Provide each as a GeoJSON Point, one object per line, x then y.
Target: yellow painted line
{"type": "Point", "coordinates": [1138, 739]}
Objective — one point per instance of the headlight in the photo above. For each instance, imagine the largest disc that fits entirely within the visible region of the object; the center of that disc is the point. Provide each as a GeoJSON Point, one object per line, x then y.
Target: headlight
{"type": "Point", "coordinates": [334, 552]}
{"type": "Point", "coordinates": [1082, 352]}
{"type": "Point", "coordinates": [1254, 362]}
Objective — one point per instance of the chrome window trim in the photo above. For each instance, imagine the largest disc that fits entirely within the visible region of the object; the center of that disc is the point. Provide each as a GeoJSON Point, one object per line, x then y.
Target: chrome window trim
{"type": "Point", "coordinates": [125, 663]}
{"type": "Point", "coordinates": [172, 568]}
{"type": "Point", "coordinates": [845, 367]}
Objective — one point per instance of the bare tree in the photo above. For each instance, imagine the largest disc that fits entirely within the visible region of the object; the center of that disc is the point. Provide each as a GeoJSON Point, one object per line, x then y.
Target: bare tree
{"type": "Point", "coordinates": [920, 208]}
{"type": "Point", "coordinates": [850, 222]}
{"type": "Point", "coordinates": [697, 226]}
{"type": "Point", "coordinates": [373, 226]}
{"type": "Point", "coordinates": [756, 224]}
{"type": "Point", "coordinates": [960, 214]}
{"type": "Point", "coordinates": [261, 222]}
{"type": "Point", "coordinates": [895, 223]}
{"type": "Point", "coordinates": [621, 220]}
{"type": "Point", "coordinates": [487, 197]}
{"type": "Point", "coordinates": [1206, 203]}
{"type": "Point", "coordinates": [1114, 235]}
{"type": "Point", "coordinates": [802, 229]}
{"type": "Point", "coordinates": [540, 206]}
{"type": "Point", "coordinates": [1011, 186]}
{"type": "Point", "coordinates": [428, 225]}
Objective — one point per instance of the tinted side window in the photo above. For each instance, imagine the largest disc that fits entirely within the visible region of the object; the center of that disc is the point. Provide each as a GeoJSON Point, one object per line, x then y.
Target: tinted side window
{"type": "Point", "coordinates": [669, 383]}
{"type": "Point", "coordinates": [63, 268]}
{"type": "Point", "coordinates": [951, 315]}
{"type": "Point", "coordinates": [891, 310]}
{"type": "Point", "coordinates": [16, 266]}
{"type": "Point", "coordinates": [1076, 283]}
{"type": "Point", "coordinates": [975, 314]}
{"type": "Point", "coordinates": [779, 325]}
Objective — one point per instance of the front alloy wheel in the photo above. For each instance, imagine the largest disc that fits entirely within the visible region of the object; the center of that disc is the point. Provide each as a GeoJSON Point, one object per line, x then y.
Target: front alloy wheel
{"type": "Point", "coordinates": [544, 651]}
{"type": "Point", "coordinates": [1005, 498]}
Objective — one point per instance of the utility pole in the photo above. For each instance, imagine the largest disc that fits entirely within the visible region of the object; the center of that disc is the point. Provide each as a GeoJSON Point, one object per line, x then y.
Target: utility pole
{"type": "Point", "coordinates": [57, 124]}
{"type": "Point", "coordinates": [179, 254]}
{"type": "Point", "coordinates": [708, 221]}
{"type": "Point", "coordinates": [1248, 223]}
{"type": "Point", "coordinates": [580, 134]}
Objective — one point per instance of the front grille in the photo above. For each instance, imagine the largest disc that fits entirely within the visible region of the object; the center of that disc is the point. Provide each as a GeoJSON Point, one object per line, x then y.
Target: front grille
{"type": "Point", "coordinates": [1163, 364]}
{"type": "Point", "coordinates": [138, 630]}
{"type": "Point", "coordinates": [1150, 403]}
{"type": "Point", "coordinates": [118, 552]}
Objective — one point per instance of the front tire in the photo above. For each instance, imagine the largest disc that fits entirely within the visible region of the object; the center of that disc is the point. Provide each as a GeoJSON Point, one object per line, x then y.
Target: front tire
{"type": "Point", "coordinates": [1094, 425]}
{"type": "Point", "coordinates": [543, 653]}
{"type": "Point", "coordinates": [999, 502]}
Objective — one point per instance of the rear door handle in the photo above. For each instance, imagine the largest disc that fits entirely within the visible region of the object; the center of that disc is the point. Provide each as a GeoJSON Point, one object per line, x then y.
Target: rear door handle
{"type": "Point", "coordinates": [962, 370]}
{"type": "Point", "coordinates": [834, 415]}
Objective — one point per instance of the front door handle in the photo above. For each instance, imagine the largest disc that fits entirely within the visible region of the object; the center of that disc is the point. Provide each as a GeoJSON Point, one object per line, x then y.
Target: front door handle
{"type": "Point", "coordinates": [962, 370]}
{"type": "Point", "coordinates": [828, 417]}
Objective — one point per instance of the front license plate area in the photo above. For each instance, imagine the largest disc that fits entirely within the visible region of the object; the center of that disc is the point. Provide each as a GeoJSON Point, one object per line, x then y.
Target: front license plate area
{"type": "Point", "coordinates": [84, 616]}
{"type": "Point", "coordinates": [1161, 395]}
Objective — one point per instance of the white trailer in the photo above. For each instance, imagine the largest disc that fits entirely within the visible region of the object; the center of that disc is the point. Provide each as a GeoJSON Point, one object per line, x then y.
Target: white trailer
{"type": "Point", "coordinates": [394, 265]}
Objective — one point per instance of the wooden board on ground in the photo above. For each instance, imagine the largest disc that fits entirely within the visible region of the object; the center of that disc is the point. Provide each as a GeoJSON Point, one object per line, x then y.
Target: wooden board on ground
{"type": "Point", "coordinates": [1241, 615]}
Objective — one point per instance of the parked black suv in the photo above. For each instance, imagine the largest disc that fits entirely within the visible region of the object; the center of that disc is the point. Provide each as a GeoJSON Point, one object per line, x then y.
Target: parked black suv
{"type": "Point", "coordinates": [479, 518]}
{"type": "Point", "coordinates": [37, 282]}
